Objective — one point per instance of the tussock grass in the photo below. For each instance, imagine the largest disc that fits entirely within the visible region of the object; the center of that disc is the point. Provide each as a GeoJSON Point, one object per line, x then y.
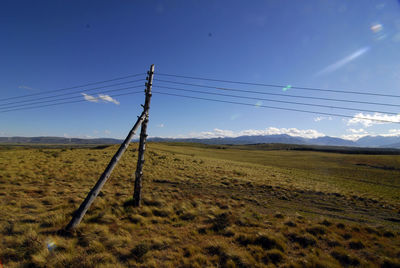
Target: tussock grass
{"type": "Point", "coordinates": [202, 207]}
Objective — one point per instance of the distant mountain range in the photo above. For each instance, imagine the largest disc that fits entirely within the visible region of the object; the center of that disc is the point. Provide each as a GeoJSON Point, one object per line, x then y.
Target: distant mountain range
{"type": "Point", "coordinates": [57, 140]}
{"type": "Point", "coordinates": [368, 141]}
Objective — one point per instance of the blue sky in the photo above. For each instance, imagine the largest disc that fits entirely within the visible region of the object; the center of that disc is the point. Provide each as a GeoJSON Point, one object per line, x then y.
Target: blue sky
{"type": "Point", "coordinates": [345, 45]}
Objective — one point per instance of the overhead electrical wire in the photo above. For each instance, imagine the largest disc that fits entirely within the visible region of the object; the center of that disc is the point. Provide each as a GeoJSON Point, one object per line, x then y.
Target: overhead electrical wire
{"type": "Point", "coordinates": [277, 94]}
{"type": "Point", "coordinates": [73, 87]}
{"type": "Point", "coordinates": [274, 107]}
{"type": "Point", "coordinates": [69, 93]}
{"type": "Point", "coordinates": [68, 98]}
{"type": "Point", "coordinates": [67, 102]}
{"type": "Point", "coordinates": [280, 86]}
{"type": "Point", "coordinates": [280, 101]}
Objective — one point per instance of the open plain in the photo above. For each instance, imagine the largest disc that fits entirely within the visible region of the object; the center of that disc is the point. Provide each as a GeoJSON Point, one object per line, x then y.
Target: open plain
{"type": "Point", "coordinates": [222, 206]}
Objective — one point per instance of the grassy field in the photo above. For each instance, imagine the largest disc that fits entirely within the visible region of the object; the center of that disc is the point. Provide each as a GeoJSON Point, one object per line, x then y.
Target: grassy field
{"type": "Point", "coordinates": [222, 206]}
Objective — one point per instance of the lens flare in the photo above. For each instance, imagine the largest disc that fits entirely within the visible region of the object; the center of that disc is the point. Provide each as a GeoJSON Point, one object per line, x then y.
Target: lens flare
{"type": "Point", "coordinates": [376, 28]}
{"type": "Point", "coordinates": [51, 245]}
{"type": "Point", "coordinates": [287, 87]}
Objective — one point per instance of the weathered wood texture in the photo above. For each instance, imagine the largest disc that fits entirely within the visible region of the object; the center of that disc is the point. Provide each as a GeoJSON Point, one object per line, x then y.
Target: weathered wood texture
{"type": "Point", "coordinates": [78, 215]}
{"type": "Point", "coordinates": [142, 143]}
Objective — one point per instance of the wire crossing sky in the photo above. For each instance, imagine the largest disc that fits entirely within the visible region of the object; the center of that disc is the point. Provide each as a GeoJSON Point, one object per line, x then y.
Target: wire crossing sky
{"type": "Point", "coordinates": [80, 67]}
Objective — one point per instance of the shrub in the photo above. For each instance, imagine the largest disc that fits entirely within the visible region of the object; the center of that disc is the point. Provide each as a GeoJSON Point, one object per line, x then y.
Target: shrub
{"type": "Point", "coordinates": [136, 219]}
{"type": "Point", "coordinates": [275, 256]}
{"type": "Point", "coordinates": [263, 240]}
{"type": "Point", "coordinates": [153, 203]}
{"type": "Point", "coordinates": [188, 216]}
{"type": "Point", "coordinates": [140, 250]}
{"type": "Point", "coordinates": [326, 223]}
{"type": "Point", "coordinates": [290, 224]}
{"type": "Point", "coordinates": [344, 258]}
{"type": "Point", "coordinates": [316, 230]}
{"type": "Point", "coordinates": [221, 221]}
{"type": "Point", "coordinates": [340, 226]}
{"type": "Point", "coordinates": [389, 263]}
{"type": "Point", "coordinates": [356, 245]}
{"type": "Point", "coordinates": [302, 240]}
{"type": "Point", "coordinates": [388, 234]}
{"type": "Point", "coordinates": [268, 243]}
{"type": "Point", "coordinates": [160, 213]}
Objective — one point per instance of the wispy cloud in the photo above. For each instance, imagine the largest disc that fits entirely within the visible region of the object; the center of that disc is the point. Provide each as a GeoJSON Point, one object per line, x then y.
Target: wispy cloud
{"type": "Point", "coordinates": [25, 87]}
{"type": "Point", "coordinates": [320, 118]}
{"type": "Point", "coordinates": [160, 125]}
{"type": "Point", "coordinates": [89, 98]}
{"type": "Point", "coordinates": [100, 97]}
{"type": "Point", "coordinates": [108, 98]}
{"type": "Point", "coordinates": [346, 60]}
{"type": "Point", "coordinates": [368, 120]}
{"type": "Point", "coordinates": [220, 133]}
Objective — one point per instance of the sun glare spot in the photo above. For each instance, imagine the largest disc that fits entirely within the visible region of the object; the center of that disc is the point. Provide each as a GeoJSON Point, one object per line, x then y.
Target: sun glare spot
{"type": "Point", "coordinates": [51, 245]}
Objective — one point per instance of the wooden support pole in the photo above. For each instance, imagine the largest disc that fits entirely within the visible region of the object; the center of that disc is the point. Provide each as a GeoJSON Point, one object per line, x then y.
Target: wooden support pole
{"type": "Point", "coordinates": [78, 215]}
{"type": "Point", "coordinates": [142, 143]}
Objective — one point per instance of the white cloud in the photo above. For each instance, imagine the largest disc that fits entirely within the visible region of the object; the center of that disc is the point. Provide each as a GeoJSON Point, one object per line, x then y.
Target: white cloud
{"type": "Point", "coordinates": [220, 133]}
{"type": "Point", "coordinates": [356, 134]}
{"type": "Point", "coordinates": [354, 137]}
{"type": "Point", "coordinates": [355, 131]}
{"type": "Point", "coordinates": [368, 120]}
{"type": "Point", "coordinates": [320, 118]}
{"type": "Point", "coordinates": [89, 98]}
{"type": "Point", "coordinates": [100, 97]}
{"type": "Point", "coordinates": [160, 125]}
{"type": "Point", "coordinates": [333, 67]}
{"type": "Point", "coordinates": [107, 132]}
{"type": "Point", "coordinates": [108, 98]}
{"type": "Point", "coordinates": [392, 133]}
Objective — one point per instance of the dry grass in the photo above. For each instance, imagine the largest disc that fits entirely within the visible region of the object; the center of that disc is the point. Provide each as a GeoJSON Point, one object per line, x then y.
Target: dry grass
{"type": "Point", "coordinates": [202, 207]}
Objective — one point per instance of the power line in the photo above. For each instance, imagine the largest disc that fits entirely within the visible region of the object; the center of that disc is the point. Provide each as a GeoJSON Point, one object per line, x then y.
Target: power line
{"type": "Point", "coordinates": [67, 98]}
{"type": "Point", "coordinates": [67, 102]}
{"type": "Point", "coordinates": [62, 89]}
{"type": "Point", "coordinates": [273, 107]}
{"type": "Point", "coordinates": [288, 102]}
{"type": "Point", "coordinates": [69, 93]}
{"type": "Point", "coordinates": [277, 94]}
{"type": "Point", "coordinates": [281, 86]}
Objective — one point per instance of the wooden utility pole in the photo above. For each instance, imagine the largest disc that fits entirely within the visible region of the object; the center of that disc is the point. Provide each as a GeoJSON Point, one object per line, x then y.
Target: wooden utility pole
{"type": "Point", "coordinates": [142, 142]}
{"type": "Point", "coordinates": [78, 215]}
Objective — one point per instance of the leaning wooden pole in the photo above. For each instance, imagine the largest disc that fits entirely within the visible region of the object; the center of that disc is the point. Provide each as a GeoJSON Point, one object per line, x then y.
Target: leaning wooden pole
{"type": "Point", "coordinates": [78, 215]}
{"type": "Point", "coordinates": [142, 142]}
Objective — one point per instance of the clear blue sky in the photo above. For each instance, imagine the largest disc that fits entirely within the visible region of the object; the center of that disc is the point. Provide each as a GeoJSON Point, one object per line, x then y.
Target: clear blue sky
{"type": "Point", "coordinates": [351, 45]}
